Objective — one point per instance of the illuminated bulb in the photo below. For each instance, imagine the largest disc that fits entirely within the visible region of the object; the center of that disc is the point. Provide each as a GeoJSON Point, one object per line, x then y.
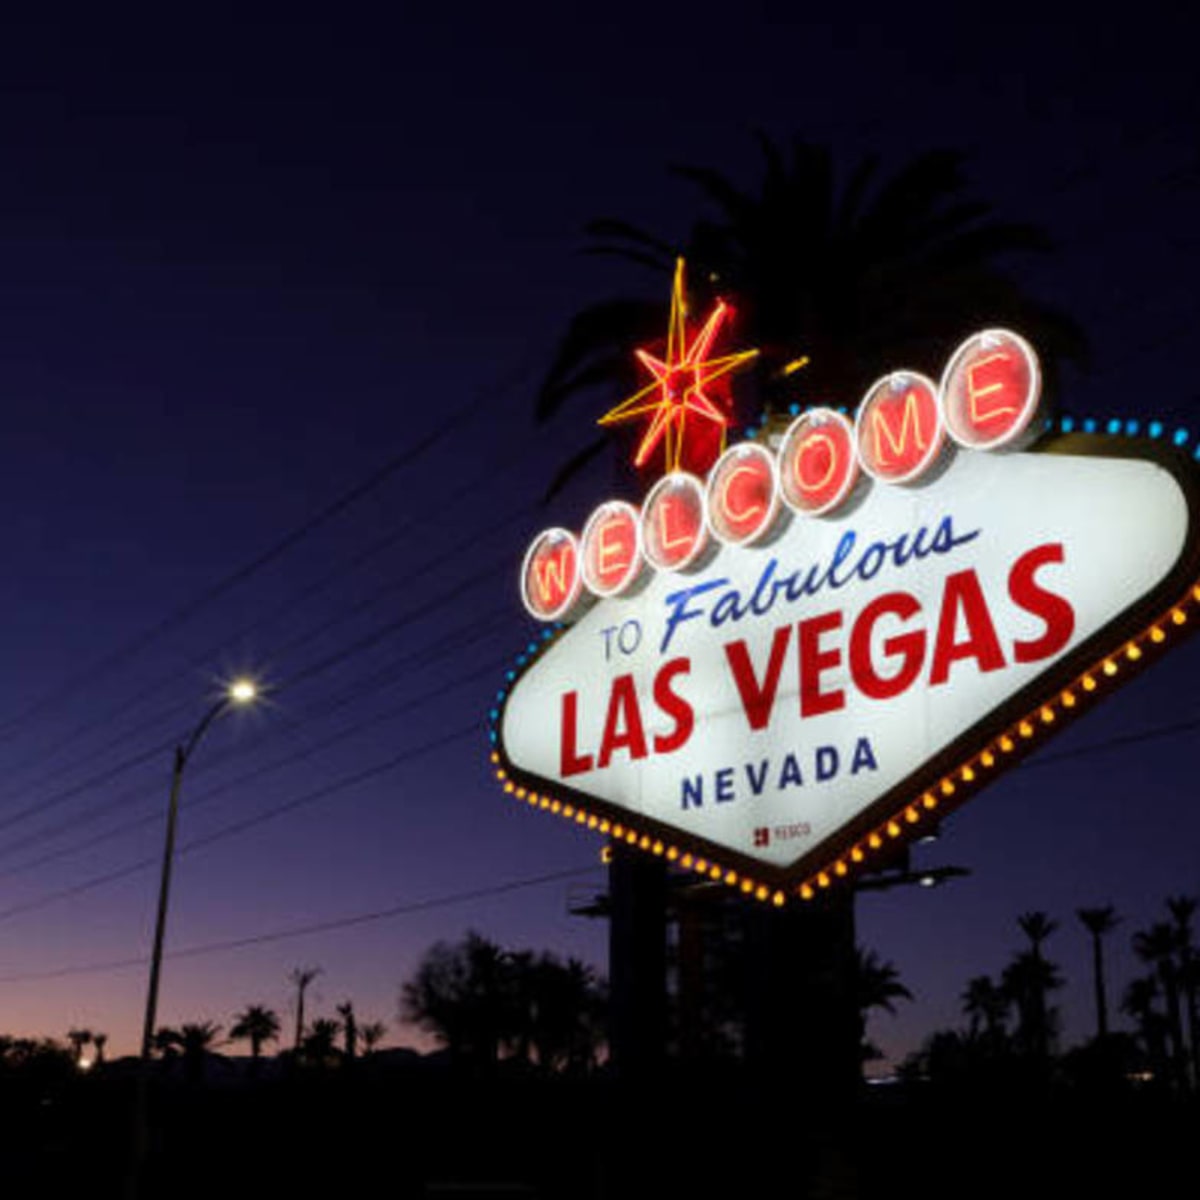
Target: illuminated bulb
{"type": "Point", "coordinates": [672, 853]}
{"type": "Point", "coordinates": [874, 841]}
{"type": "Point", "coordinates": [1089, 684]}
{"type": "Point", "coordinates": [1110, 667]}
{"type": "Point", "coordinates": [1178, 616]}
{"type": "Point", "coordinates": [568, 811]}
{"type": "Point", "coordinates": [778, 899]}
{"type": "Point", "coordinates": [911, 816]}
{"type": "Point", "coordinates": [715, 873]}
{"type": "Point", "coordinates": [605, 827]}
{"type": "Point", "coordinates": [702, 866]}
{"type": "Point", "coordinates": [731, 878]}
{"type": "Point", "coordinates": [556, 807]}
{"type": "Point", "coordinates": [1133, 653]}
{"type": "Point", "coordinates": [747, 886]}
{"type": "Point", "coordinates": [686, 862]}
{"type": "Point", "coordinates": [987, 758]}
{"type": "Point", "coordinates": [1047, 715]}
{"type": "Point", "coordinates": [823, 880]}
{"type": "Point", "coordinates": [1025, 729]}
{"type": "Point", "coordinates": [947, 787]}
{"type": "Point", "coordinates": [929, 800]}
{"type": "Point", "coordinates": [657, 848]}
{"type": "Point", "coordinates": [1006, 744]}
{"type": "Point", "coordinates": [1196, 592]}
{"type": "Point", "coordinates": [242, 691]}
{"type": "Point", "coordinates": [509, 787]}
{"type": "Point", "coordinates": [592, 822]}
{"type": "Point", "coordinates": [532, 799]}
{"type": "Point", "coordinates": [893, 829]}
{"type": "Point", "coordinates": [544, 802]}
{"type": "Point", "coordinates": [618, 831]}
{"type": "Point", "coordinates": [500, 774]}
{"type": "Point", "coordinates": [495, 757]}
{"type": "Point", "coordinates": [968, 775]}
{"type": "Point", "coordinates": [643, 844]}
{"type": "Point", "coordinates": [631, 838]}
{"type": "Point", "coordinates": [856, 854]}
{"type": "Point", "coordinates": [581, 818]}
{"type": "Point", "coordinates": [839, 867]}
{"type": "Point", "coordinates": [1156, 634]}
{"type": "Point", "coordinates": [762, 892]}
{"type": "Point", "coordinates": [520, 793]}
{"type": "Point", "coordinates": [1068, 699]}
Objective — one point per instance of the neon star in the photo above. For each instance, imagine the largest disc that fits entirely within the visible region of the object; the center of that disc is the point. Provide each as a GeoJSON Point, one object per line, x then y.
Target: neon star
{"type": "Point", "coordinates": [677, 390]}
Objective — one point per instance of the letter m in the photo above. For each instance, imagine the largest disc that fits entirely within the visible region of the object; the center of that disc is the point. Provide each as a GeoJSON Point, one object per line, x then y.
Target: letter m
{"type": "Point", "coordinates": [910, 436]}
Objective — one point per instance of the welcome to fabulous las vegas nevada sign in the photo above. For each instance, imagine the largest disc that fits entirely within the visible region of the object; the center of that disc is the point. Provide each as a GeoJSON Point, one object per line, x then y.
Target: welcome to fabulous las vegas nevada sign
{"type": "Point", "coordinates": [776, 675]}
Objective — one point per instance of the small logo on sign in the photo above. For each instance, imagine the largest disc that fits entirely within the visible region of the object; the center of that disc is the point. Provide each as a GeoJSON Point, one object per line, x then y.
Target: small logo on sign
{"type": "Point", "coordinates": [762, 836]}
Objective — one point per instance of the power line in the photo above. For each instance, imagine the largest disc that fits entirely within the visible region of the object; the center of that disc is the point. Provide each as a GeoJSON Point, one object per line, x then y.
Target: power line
{"type": "Point", "coordinates": [405, 908]}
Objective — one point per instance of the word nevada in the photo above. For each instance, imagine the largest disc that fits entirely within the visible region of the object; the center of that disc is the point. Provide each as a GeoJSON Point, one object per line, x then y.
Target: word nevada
{"type": "Point", "coordinates": [987, 399]}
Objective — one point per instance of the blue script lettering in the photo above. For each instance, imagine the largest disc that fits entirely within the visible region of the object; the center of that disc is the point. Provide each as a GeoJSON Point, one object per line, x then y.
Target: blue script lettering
{"type": "Point", "coordinates": [848, 562]}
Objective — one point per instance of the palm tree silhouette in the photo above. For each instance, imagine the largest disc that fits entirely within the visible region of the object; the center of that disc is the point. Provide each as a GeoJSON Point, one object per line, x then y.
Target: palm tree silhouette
{"type": "Point", "coordinates": [1138, 1002]}
{"type": "Point", "coordinates": [1182, 909]}
{"type": "Point", "coordinates": [371, 1033]}
{"type": "Point", "coordinates": [301, 977]}
{"type": "Point", "coordinates": [860, 279]}
{"type": "Point", "coordinates": [79, 1038]}
{"type": "Point", "coordinates": [1099, 922]}
{"type": "Point", "coordinates": [1029, 977]}
{"type": "Point", "coordinates": [1159, 946]}
{"type": "Point", "coordinates": [986, 1002]}
{"type": "Point", "coordinates": [197, 1039]}
{"type": "Point", "coordinates": [350, 1030]}
{"type": "Point", "coordinates": [876, 985]}
{"type": "Point", "coordinates": [256, 1024]}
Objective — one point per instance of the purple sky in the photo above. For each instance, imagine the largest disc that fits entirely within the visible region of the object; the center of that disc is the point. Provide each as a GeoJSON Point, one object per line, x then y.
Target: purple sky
{"type": "Point", "coordinates": [244, 266]}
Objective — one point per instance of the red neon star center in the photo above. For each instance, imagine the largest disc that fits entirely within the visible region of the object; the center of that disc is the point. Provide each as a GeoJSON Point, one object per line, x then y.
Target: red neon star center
{"type": "Point", "coordinates": [677, 392]}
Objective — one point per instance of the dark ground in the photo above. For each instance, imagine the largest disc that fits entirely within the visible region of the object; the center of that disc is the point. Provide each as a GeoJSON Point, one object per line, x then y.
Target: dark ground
{"type": "Point", "coordinates": [430, 1134]}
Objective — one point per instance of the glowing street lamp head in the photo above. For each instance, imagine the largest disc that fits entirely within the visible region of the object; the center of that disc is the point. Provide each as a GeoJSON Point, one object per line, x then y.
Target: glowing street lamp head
{"type": "Point", "coordinates": [242, 691]}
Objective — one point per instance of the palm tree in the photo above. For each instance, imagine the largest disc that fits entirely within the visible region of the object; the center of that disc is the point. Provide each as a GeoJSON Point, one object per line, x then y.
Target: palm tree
{"type": "Point", "coordinates": [100, 1040]}
{"type": "Point", "coordinates": [371, 1033]}
{"type": "Point", "coordinates": [1033, 980]}
{"type": "Point", "coordinates": [350, 1029]}
{"type": "Point", "coordinates": [1099, 922]}
{"type": "Point", "coordinates": [320, 1046]}
{"type": "Point", "coordinates": [860, 278]}
{"type": "Point", "coordinates": [301, 977]}
{"type": "Point", "coordinates": [78, 1038]}
{"type": "Point", "coordinates": [256, 1024]}
{"type": "Point", "coordinates": [1138, 1002]}
{"type": "Point", "coordinates": [876, 985]}
{"type": "Point", "coordinates": [1160, 946]}
{"type": "Point", "coordinates": [986, 1002]}
{"type": "Point", "coordinates": [1182, 909]}
{"type": "Point", "coordinates": [197, 1040]}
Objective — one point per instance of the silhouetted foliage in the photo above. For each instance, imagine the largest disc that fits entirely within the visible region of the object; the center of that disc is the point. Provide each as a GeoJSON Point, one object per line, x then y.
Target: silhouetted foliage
{"type": "Point", "coordinates": [860, 276]}
{"type": "Point", "coordinates": [483, 1004]}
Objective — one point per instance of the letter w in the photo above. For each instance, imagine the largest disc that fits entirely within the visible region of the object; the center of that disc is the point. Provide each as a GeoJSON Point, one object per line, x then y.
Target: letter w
{"type": "Point", "coordinates": [758, 698]}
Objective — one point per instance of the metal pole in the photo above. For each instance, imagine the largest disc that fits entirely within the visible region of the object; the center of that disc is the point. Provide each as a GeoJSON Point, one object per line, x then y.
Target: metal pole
{"type": "Point", "coordinates": [140, 1132]}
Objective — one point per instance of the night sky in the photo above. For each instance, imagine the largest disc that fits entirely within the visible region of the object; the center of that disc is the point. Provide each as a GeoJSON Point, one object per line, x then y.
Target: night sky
{"type": "Point", "coordinates": [251, 270]}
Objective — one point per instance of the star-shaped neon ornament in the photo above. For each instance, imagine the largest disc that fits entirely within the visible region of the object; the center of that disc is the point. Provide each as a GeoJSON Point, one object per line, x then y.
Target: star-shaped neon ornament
{"type": "Point", "coordinates": [676, 395]}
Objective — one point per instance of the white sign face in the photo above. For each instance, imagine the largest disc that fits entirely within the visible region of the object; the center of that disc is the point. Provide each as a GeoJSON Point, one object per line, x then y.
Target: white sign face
{"type": "Point", "coordinates": [774, 704]}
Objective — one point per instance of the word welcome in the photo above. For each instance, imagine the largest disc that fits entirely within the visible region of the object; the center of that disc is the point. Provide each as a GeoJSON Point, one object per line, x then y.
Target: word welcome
{"type": "Point", "coordinates": [987, 399]}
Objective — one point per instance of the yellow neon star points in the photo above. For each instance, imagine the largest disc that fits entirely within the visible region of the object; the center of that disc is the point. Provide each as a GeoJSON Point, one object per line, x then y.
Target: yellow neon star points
{"type": "Point", "coordinates": [677, 391]}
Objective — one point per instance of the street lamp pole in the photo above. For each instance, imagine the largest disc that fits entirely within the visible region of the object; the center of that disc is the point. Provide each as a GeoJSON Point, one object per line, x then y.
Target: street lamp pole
{"type": "Point", "coordinates": [239, 694]}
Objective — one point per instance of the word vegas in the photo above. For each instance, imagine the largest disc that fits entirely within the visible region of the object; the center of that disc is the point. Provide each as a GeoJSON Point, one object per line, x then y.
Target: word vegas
{"type": "Point", "coordinates": [986, 400]}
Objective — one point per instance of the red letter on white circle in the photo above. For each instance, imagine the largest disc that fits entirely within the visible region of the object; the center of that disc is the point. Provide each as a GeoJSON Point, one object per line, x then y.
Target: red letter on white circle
{"type": "Point", "coordinates": [673, 526]}
{"type": "Point", "coordinates": [611, 548]}
{"type": "Point", "coordinates": [990, 390]}
{"type": "Point", "coordinates": [550, 578]}
{"type": "Point", "coordinates": [899, 428]}
{"type": "Point", "coordinates": [742, 496]}
{"type": "Point", "coordinates": [817, 464]}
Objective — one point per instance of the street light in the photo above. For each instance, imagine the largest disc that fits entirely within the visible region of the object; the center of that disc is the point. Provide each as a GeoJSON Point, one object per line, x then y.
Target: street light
{"type": "Point", "coordinates": [240, 693]}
